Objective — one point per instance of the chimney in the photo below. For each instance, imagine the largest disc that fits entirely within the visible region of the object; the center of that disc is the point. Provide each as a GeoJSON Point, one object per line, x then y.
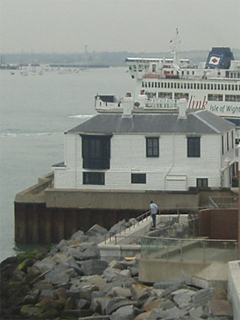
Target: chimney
{"type": "Point", "coordinates": [127, 105]}
{"type": "Point", "coordinates": [182, 108]}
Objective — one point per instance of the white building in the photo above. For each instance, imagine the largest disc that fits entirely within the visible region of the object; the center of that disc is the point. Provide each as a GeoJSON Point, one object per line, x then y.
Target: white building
{"type": "Point", "coordinates": [148, 151]}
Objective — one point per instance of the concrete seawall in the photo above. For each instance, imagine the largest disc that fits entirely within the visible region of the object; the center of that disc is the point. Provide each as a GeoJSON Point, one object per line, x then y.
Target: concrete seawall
{"type": "Point", "coordinates": [47, 215]}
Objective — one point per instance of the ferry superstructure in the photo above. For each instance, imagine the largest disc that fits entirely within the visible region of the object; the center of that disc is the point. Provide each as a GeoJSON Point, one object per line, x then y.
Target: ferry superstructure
{"type": "Point", "coordinates": [214, 85]}
{"type": "Point", "coordinates": [160, 83]}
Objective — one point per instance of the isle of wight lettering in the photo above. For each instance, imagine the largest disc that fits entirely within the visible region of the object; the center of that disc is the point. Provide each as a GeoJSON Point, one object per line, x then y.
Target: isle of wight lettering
{"type": "Point", "coordinates": [225, 109]}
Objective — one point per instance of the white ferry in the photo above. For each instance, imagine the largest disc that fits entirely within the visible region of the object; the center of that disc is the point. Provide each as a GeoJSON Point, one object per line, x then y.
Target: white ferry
{"type": "Point", "coordinates": [160, 83]}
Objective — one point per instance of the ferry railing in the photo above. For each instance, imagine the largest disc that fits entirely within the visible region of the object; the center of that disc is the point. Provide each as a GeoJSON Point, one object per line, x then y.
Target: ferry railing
{"type": "Point", "coordinates": [195, 249]}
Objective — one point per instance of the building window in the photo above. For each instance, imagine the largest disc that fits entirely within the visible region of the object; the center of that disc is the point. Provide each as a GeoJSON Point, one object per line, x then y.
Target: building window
{"type": "Point", "coordinates": [193, 146]}
{"type": "Point", "coordinates": [138, 178]}
{"type": "Point", "coordinates": [152, 147]}
{"type": "Point", "coordinates": [97, 178]}
{"type": "Point", "coordinates": [202, 183]}
{"type": "Point", "coordinates": [96, 152]}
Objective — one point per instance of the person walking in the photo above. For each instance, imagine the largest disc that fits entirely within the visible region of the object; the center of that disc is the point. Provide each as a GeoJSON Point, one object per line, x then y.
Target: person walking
{"type": "Point", "coordinates": [154, 210]}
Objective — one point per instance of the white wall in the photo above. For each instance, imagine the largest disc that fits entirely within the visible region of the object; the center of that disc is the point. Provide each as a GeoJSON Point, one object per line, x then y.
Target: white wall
{"type": "Point", "coordinates": [128, 155]}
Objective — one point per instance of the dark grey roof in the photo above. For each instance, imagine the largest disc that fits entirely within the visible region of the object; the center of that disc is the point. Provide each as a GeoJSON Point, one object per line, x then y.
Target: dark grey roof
{"type": "Point", "coordinates": [201, 121]}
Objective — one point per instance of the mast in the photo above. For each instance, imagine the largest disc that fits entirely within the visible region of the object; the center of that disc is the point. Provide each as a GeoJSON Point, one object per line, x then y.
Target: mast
{"type": "Point", "coordinates": [174, 44]}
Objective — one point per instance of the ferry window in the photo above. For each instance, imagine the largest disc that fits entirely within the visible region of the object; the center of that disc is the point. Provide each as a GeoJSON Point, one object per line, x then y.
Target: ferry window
{"type": "Point", "coordinates": [96, 152]}
{"type": "Point", "coordinates": [221, 86]}
{"type": "Point", "coordinates": [193, 147]}
{"type": "Point", "coordinates": [175, 85]}
{"type": "Point", "coordinates": [152, 147]}
{"type": "Point", "coordinates": [215, 97]}
{"type": "Point", "coordinates": [197, 85]}
{"type": "Point", "coordinates": [142, 84]}
{"type": "Point", "coordinates": [208, 86]}
{"type": "Point", "coordinates": [152, 84]}
{"type": "Point", "coordinates": [218, 86]}
{"type": "Point", "coordinates": [201, 86]}
{"type": "Point", "coordinates": [215, 87]}
{"type": "Point", "coordinates": [97, 178]}
{"type": "Point", "coordinates": [165, 95]}
{"type": "Point", "coordinates": [158, 84]}
{"type": "Point", "coordinates": [232, 97]}
{"type": "Point", "coordinates": [171, 85]}
{"type": "Point", "coordinates": [205, 86]}
{"type": "Point", "coordinates": [155, 84]}
{"type": "Point", "coordinates": [202, 182]}
{"type": "Point", "coordinates": [138, 178]}
{"type": "Point", "coordinates": [211, 86]}
{"type": "Point", "coordinates": [194, 85]}
{"type": "Point", "coordinates": [178, 95]}
{"type": "Point", "coordinates": [149, 84]}
{"type": "Point", "coordinates": [222, 144]}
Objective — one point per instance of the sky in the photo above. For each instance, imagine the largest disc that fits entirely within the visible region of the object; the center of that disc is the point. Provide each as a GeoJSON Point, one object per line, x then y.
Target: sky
{"type": "Point", "coordinates": [68, 26]}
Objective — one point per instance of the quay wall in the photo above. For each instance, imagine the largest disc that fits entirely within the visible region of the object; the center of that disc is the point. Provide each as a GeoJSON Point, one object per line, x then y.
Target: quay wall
{"type": "Point", "coordinates": [44, 214]}
{"type": "Point", "coordinates": [36, 223]}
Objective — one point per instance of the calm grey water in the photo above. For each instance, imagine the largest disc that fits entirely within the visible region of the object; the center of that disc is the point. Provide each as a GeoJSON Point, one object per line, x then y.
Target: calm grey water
{"type": "Point", "coordinates": [35, 110]}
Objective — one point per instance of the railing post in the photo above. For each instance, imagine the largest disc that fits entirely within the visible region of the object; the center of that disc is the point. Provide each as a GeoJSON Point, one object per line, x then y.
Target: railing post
{"type": "Point", "coordinates": [204, 250]}
{"type": "Point", "coordinates": [225, 250]}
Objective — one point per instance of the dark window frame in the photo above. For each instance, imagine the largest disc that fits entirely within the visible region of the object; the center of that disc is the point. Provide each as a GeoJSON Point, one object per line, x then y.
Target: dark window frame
{"type": "Point", "coordinates": [94, 178]}
{"type": "Point", "coordinates": [152, 147]}
{"type": "Point", "coordinates": [202, 182]}
{"type": "Point", "coordinates": [96, 151]}
{"type": "Point", "coordinates": [140, 178]}
{"type": "Point", "coordinates": [194, 147]}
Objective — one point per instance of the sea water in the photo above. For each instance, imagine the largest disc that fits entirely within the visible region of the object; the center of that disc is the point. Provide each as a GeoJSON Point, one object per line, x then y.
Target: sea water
{"type": "Point", "coordinates": [35, 110]}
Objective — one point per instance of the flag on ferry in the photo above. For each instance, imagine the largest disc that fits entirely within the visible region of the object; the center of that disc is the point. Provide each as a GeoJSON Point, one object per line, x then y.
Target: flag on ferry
{"type": "Point", "coordinates": [214, 60]}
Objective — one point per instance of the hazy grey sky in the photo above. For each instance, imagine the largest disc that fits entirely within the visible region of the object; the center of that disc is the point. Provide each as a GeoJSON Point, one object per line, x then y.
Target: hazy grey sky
{"type": "Point", "coordinates": [117, 25]}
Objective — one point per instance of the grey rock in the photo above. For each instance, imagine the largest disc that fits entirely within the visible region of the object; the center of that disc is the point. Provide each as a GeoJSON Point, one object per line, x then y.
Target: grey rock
{"type": "Point", "coordinates": [110, 273]}
{"type": "Point", "coordinates": [45, 264]}
{"type": "Point", "coordinates": [62, 244]}
{"type": "Point", "coordinates": [120, 226]}
{"type": "Point", "coordinates": [202, 297]}
{"type": "Point", "coordinates": [47, 293]}
{"type": "Point", "coordinates": [121, 292]}
{"type": "Point", "coordinates": [77, 235]}
{"type": "Point", "coordinates": [86, 291]}
{"type": "Point", "coordinates": [99, 304]}
{"type": "Point", "coordinates": [94, 266]}
{"type": "Point", "coordinates": [83, 304]}
{"type": "Point", "coordinates": [96, 230]}
{"type": "Point", "coordinates": [125, 273]}
{"type": "Point", "coordinates": [116, 303]}
{"type": "Point", "coordinates": [170, 314]}
{"type": "Point", "coordinates": [124, 313]}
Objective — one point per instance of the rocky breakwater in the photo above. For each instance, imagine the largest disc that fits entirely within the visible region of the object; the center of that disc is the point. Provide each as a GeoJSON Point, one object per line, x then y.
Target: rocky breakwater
{"type": "Point", "coordinates": [70, 281]}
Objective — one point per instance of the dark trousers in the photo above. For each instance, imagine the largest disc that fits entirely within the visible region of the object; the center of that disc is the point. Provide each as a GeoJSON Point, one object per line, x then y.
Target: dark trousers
{"type": "Point", "coordinates": [154, 220]}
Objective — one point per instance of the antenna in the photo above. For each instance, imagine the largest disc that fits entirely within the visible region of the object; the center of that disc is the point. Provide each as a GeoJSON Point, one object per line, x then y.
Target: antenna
{"type": "Point", "coordinates": [174, 44]}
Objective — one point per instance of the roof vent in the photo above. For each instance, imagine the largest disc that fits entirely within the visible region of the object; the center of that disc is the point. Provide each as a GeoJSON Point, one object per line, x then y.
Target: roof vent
{"type": "Point", "coordinates": [127, 105]}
